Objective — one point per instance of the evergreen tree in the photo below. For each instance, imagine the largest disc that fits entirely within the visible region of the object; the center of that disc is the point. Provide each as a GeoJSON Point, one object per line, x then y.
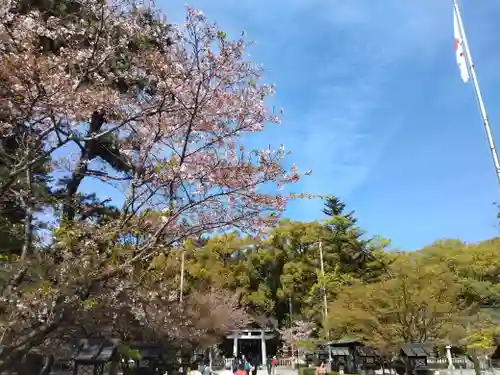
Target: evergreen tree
{"type": "Point", "coordinates": [354, 248]}
{"type": "Point", "coordinates": [24, 196]}
{"type": "Point", "coordinates": [335, 207]}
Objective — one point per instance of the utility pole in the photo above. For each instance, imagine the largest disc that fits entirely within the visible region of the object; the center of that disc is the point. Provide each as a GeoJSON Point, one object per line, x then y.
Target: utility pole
{"type": "Point", "coordinates": [291, 328]}
{"type": "Point", "coordinates": [181, 286]}
{"type": "Point", "coordinates": [325, 301]}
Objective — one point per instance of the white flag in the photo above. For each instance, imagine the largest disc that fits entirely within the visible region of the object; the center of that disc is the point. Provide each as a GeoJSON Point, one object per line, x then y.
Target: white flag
{"type": "Point", "coordinates": [459, 48]}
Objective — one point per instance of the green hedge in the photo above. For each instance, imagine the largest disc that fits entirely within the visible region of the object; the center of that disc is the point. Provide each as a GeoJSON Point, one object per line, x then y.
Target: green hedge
{"type": "Point", "coordinates": [307, 371]}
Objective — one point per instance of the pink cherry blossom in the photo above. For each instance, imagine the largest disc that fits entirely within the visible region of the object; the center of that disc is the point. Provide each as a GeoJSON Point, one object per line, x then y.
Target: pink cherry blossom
{"type": "Point", "coordinates": [176, 103]}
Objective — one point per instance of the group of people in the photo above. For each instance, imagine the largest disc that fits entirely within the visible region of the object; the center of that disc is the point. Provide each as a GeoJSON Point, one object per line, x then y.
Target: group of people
{"type": "Point", "coordinates": [200, 368]}
{"type": "Point", "coordinates": [245, 366]}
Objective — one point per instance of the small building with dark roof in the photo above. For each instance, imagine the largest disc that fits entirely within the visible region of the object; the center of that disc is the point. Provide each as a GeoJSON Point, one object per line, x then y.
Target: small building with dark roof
{"type": "Point", "coordinates": [94, 355]}
{"type": "Point", "coordinates": [351, 355]}
{"type": "Point", "coordinates": [415, 357]}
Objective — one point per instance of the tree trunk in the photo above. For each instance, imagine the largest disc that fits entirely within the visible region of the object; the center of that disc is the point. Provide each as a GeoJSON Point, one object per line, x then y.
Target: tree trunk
{"type": "Point", "coordinates": [49, 361]}
{"type": "Point", "coordinates": [28, 218]}
{"type": "Point", "coordinates": [12, 355]}
{"type": "Point", "coordinates": [28, 233]}
{"type": "Point", "coordinates": [475, 360]}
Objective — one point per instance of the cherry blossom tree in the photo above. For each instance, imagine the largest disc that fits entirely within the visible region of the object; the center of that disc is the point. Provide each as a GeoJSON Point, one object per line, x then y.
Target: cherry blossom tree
{"type": "Point", "coordinates": [109, 92]}
{"type": "Point", "coordinates": [296, 335]}
{"type": "Point", "coordinates": [300, 330]}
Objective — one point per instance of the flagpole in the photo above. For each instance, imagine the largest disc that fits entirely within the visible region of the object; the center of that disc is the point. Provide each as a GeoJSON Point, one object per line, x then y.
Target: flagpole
{"type": "Point", "coordinates": [479, 97]}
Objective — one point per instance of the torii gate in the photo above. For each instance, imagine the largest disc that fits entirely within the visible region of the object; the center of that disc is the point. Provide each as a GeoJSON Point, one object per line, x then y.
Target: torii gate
{"type": "Point", "coordinates": [252, 334]}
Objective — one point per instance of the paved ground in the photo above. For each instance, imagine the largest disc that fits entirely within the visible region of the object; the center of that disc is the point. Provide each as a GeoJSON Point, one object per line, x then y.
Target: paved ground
{"type": "Point", "coordinates": [279, 371]}
{"type": "Point", "coordinates": [288, 371]}
{"type": "Point", "coordinates": [467, 372]}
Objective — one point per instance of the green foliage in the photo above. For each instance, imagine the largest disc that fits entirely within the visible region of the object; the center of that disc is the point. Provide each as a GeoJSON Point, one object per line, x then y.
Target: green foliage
{"type": "Point", "coordinates": [309, 345]}
{"type": "Point", "coordinates": [12, 236]}
{"type": "Point", "coordinates": [35, 193]}
{"type": "Point", "coordinates": [128, 352]}
{"type": "Point", "coordinates": [358, 254]}
{"type": "Point", "coordinates": [283, 270]}
{"type": "Point", "coordinates": [447, 292]}
{"type": "Point", "coordinates": [416, 303]}
{"type": "Point", "coordinates": [476, 266]}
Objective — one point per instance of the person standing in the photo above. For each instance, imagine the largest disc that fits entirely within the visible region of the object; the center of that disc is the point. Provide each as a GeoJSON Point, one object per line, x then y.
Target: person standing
{"type": "Point", "coordinates": [255, 367]}
{"type": "Point", "coordinates": [246, 365]}
{"type": "Point", "coordinates": [227, 370]}
{"type": "Point", "coordinates": [268, 365]}
{"type": "Point", "coordinates": [207, 370]}
{"type": "Point", "coordinates": [241, 370]}
{"type": "Point", "coordinates": [274, 366]}
{"type": "Point", "coordinates": [239, 363]}
{"type": "Point", "coordinates": [321, 369]}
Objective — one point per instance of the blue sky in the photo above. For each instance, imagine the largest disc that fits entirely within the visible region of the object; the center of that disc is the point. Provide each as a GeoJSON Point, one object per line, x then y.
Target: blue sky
{"type": "Point", "coordinates": [375, 106]}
